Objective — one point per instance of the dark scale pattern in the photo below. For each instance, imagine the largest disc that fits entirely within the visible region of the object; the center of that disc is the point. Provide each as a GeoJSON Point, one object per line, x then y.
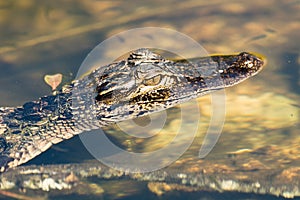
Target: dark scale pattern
{"type": "Point", "coordinates": [143, 83]}
{"type": "Point", "coordinates": [3, 145]}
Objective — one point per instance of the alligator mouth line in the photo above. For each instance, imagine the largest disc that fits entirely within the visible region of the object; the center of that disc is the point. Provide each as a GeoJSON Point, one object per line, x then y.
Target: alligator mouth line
{"type": "Point", "coordinates": [31, 129]}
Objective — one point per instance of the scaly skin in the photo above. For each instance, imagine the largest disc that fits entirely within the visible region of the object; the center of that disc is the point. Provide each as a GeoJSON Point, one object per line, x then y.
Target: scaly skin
{"type": "Point", "coordinates": [143, 83]}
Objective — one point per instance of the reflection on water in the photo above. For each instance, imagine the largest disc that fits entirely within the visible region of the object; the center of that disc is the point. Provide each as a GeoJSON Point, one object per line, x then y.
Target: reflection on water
{"type": "Point", "coordinates": [261, 132]}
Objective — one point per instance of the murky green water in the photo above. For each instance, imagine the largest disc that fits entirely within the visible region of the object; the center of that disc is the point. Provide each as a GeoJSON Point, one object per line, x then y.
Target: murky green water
{"type": "Point", "coordinates": [46, 37]}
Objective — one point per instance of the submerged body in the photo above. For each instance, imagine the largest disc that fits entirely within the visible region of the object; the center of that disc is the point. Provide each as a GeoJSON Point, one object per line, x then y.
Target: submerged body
{"type": "Point", "coordinates": [143, 83]}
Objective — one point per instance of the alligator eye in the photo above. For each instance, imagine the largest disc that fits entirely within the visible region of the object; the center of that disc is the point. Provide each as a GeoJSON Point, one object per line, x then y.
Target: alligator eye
{"type": "Point", "coordinates": [155, 80]}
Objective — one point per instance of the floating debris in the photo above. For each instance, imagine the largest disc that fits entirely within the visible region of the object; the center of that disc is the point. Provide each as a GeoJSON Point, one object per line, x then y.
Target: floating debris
{"type": "Point", "coordinates": [53, 80]}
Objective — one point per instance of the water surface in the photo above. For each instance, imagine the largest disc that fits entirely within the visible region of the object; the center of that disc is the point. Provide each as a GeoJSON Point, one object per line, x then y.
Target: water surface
{"type": "Point", "coordinates": [44, 37]}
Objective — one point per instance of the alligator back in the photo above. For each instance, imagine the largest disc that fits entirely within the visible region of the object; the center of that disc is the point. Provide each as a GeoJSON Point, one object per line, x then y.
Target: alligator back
{"type": "Point", "coordinates": [143, 83]}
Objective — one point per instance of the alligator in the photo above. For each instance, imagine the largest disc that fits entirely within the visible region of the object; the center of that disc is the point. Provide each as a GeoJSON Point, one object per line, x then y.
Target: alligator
{"type": "Point", "coordinates": [143, 83]}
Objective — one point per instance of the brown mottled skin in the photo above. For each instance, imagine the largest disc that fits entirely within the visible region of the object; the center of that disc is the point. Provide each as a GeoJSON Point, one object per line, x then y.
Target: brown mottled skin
{"type": "Point", "coordinates": [143, 83]}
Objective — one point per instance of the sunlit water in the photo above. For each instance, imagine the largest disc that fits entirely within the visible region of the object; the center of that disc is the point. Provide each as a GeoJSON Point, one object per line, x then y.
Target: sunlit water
{"type": "Point", "coordinates": [43, 37]}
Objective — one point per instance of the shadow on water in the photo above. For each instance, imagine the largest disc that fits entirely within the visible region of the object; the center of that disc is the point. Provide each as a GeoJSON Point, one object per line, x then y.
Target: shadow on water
{"type": "Point", "coordinates": [290, 66]}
